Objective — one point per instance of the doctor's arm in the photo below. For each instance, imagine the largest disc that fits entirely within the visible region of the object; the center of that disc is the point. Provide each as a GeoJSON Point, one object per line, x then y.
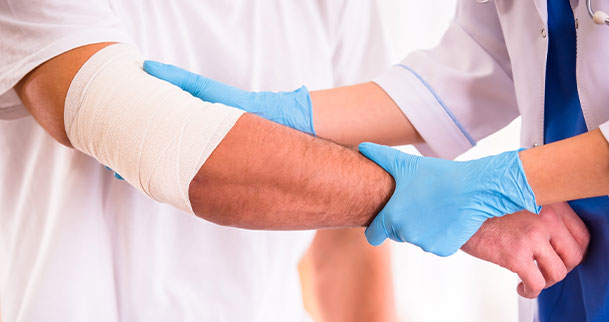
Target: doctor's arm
{"type": "Point", "coordinates": [569, 169]}
{"type": "Point", "coordinates": [260, 176]}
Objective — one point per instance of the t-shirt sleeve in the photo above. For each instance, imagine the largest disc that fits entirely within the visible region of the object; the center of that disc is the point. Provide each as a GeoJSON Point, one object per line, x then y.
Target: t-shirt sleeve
{"type": "Point", "coordinates": [34, 31]}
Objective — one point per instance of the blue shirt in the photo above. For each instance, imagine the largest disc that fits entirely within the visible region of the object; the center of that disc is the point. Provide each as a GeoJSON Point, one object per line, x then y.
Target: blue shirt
{"type": "Point", "coordinates": [584, 294]}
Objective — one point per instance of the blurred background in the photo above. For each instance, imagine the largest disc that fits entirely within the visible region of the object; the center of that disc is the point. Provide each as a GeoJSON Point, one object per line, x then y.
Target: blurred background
{"type": "Point", "coordinates": [459, 288]}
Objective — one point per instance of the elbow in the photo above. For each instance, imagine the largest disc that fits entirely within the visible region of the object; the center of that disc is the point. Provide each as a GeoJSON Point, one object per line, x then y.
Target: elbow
{"type": "Point", "coordinates": [210, 203]}
{"type": "Point", "coordinates": [46, 109]}
{"type": "Point", "coordinates": [59, 134]}
{"type": "Point", "coordinates": [218, 218]}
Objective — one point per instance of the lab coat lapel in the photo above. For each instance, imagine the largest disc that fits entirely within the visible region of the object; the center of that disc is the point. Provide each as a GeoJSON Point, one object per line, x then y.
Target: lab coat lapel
{"type": "Point", "coordinates": [542, 9]}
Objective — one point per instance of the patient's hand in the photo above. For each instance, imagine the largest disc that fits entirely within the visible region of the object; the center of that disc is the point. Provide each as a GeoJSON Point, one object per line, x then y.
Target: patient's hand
{"type": "Point", "coordinates": [557, 239]}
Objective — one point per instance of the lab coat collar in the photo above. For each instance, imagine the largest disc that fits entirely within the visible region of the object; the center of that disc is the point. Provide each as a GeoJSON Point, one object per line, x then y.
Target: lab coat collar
{"type": "Point", "coordinates": [542, 8]}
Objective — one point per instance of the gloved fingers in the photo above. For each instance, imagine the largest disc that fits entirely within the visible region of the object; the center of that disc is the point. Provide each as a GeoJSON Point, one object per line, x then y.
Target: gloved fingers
{"type": "Point", "coordinates": [184, 79]}
{"type": "Point", "coordinates": [551, 265]}
{"type": "Point", "coordinates": [382, 155]}
{"type": "Point", "coordinates": [376, 232]}
{"type": "Point", "coordinates": [200, 86]}
{"type": "Point", "coordinates": [533, 281]}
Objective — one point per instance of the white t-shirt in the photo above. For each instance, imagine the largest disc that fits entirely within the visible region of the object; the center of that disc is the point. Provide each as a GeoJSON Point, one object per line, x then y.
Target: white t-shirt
{"type": "Point", "coordinates": [77, 244]}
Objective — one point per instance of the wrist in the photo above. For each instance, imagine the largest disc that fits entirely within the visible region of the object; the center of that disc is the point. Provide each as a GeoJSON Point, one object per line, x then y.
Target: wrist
{"type": "Point", "coordinates": [529, 195]}
{"type": "Point", "coordinates": [508, 183]}
{"type": "Point", "coordinates": [303, 100]}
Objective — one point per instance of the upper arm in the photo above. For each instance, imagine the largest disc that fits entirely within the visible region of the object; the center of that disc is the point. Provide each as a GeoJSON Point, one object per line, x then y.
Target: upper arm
{"type": "Point", "coordinates": [43, 91]}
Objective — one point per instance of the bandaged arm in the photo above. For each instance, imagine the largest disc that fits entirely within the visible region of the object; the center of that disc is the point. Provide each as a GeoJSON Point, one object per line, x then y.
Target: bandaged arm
{"type": "Point", "coordinates": [245, 172]}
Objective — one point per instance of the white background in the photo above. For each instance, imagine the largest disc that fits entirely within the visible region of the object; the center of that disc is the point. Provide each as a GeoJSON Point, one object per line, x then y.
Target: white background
{"type": "Point", "coordinates": [458, 288]}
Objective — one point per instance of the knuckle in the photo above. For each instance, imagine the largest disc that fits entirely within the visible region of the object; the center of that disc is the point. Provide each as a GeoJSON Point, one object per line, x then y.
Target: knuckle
{"type": "Point", "coordinates": [571, 262]}
{"type": "Point", "coordinates": [549, 213]}
{"type": "Point", "coordinates": [586, 238]}
{"type": "Point", "coordinates": [192, 82]}
{"type": "Point", "coordinates": [534, 234]}
{"type": "Point", "coordinates": [517, 264]}
{"type": "Point", "coordinates": [537, 286]}
{"type": "Point", "coordinates": [521, 252]}
{"type": "Point", "coordinates": [563, 273]}
{"type": "Point", "coordinates": [556, 274]}
{"type": "Point", "coordinates": [575, 259]}
{"type": "Point", "coordinates": [520, 260]}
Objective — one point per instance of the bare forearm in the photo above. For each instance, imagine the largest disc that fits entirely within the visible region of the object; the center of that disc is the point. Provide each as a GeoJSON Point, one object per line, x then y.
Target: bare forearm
{"type": "Point", "coordinates": [347, 279]}
{"type": "Point", "coordinates": [353, 114]}
{"type": "Point", "coordinates": [570, 169]}
{"type": "Point", "coordinates": [267, 176]}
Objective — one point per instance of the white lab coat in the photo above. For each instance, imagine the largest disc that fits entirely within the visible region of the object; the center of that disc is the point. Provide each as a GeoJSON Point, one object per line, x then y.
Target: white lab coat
{"type": "Point", "coordinates": [489, 68]}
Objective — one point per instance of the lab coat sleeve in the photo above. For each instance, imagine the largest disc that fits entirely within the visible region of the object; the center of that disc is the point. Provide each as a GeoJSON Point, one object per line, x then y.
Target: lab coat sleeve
{"type": "Point", "coordinates": [605, 130]}
{"type": "Point", "coordinates": [460, 91]}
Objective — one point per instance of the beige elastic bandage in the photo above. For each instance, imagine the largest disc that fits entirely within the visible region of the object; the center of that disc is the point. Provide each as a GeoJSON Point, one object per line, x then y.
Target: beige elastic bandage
{"type": "Point", "coordinates": [152, 133]}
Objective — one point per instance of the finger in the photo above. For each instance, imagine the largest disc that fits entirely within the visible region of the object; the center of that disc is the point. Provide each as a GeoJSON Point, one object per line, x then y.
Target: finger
{"type": "Point", "coordinates": [574, 224]}
{"type": "Point", "coordinates": [376, 232]}
{"type": "Point", "coordinates": [551, 265]}
{"type": "Point", "coordinates": [197, 85]}
{"type": "Point", "coordinates": [173, 74]}
{"type": "Point", "coordinates": [533, 281]}
{"type": "Point", "coordinates": [567, 248]}
{"type": "Point", "coordinates": [382, 155]}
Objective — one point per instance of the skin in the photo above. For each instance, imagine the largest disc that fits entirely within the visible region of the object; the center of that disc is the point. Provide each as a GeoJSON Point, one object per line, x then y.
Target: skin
{"type": "Point", "coordinates": [566, 170]}
{"type": "Point", "coordinates": [333, 292]}
{"type": "Point", "coordinates": [361, 113]}
{"type": "Point", "coordinates": [569, 169]}
{"type": "Point", "coordinates": [557, 239]}
{"type": "Point", "coordinates": [266, 176]}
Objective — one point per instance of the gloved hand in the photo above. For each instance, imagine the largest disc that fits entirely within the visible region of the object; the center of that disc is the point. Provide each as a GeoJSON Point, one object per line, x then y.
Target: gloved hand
{"type": "Point", "coordinates": [439, 204]}
{"type": "Point", "coordinates": [291, 109]}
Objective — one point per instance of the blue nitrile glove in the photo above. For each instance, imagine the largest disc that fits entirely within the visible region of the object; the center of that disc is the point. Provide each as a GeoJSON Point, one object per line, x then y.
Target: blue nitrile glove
{"type": "Point", "coordinates": [116, 175]}
{"type": "Point", "coordinates": [291, 109]}
{"type": "Point", "coordinates": [439, 204]}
